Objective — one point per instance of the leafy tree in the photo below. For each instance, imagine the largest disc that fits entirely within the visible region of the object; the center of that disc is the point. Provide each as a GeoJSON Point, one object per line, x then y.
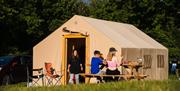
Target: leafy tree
{"type": "Point", "coordinates": [23, 23]}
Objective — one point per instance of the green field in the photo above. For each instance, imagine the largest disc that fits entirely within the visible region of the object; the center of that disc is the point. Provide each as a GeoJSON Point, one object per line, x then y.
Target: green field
{"type": "Point", "coordinates": [168, 85]}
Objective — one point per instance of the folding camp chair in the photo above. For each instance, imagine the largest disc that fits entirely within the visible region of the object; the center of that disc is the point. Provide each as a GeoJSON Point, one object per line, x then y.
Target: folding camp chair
{"type": "Point", "coordinates": [52, 76]}
{"type": "Point", "coordinates": [38, 74]}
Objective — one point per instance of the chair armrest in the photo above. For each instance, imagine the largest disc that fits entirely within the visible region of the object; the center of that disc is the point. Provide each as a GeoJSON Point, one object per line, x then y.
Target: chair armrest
{"type": "Point", "coordinates": [60, 72]}
{"type": "Point", "coordinates": [39, 69]}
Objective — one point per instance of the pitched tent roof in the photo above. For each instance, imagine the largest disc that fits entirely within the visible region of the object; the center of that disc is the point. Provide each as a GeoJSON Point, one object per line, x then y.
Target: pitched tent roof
{"type": "Point", "coordinates": [126, 35]}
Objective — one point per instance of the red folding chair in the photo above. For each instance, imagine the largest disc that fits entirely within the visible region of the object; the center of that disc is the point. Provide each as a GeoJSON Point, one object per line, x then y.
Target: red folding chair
{"type": "Point", "coordinates": [52, 76]}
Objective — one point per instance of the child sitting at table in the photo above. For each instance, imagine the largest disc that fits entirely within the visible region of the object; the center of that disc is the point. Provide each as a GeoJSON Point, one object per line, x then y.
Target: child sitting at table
{"type": "Point", "coordinates": [113, 65]}
{"type": "Point", "coordinates": [96, 61]}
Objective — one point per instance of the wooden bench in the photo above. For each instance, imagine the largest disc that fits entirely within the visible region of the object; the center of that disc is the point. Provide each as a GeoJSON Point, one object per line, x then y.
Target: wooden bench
{"type": "Point", "coordinates": [89, 76]}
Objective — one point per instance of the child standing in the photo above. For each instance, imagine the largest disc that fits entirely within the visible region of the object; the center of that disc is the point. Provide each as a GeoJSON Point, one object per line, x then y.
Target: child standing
{"type": "Point", "coordinates": [74, 67]}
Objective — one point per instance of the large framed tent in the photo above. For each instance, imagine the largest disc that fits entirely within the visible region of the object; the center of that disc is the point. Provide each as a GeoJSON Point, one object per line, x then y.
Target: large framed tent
{"type": "Point", "coordinates": [89, 34]}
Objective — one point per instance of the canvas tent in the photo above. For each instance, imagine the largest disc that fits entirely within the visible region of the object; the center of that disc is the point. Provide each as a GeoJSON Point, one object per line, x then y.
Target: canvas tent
{"type": "Point", "coordinates": [91, 34]}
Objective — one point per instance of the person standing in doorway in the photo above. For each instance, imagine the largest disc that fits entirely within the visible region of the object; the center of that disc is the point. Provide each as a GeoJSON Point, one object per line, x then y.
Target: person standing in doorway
{"type": "Point", "coordinates": [74, 67]}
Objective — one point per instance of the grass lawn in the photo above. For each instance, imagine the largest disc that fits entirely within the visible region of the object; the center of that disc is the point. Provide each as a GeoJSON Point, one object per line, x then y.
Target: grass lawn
{"type": "Point", "coordinates": [168, 85]}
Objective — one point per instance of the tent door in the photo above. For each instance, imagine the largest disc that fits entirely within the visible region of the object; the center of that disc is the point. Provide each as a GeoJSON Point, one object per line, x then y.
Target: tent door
{"type": "Point", "coordinates": [80, 43]}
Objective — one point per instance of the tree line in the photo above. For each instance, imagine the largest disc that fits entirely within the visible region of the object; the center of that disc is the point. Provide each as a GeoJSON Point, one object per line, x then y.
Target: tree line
{"type": "Point", "coordinates": [24, 23]}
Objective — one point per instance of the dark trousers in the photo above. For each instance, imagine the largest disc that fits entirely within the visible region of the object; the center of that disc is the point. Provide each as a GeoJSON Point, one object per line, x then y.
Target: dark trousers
{"type": "Point", "coordinates": [112, 72]}
{"type": "Point", "coordinates": [102, 66]}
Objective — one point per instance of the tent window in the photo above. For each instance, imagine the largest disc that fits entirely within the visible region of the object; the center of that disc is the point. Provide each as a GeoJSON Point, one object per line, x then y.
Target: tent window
{"type": "Point", "coordinates": [147, 61]}
{"type": "Point", "coordinates": [160, 61]}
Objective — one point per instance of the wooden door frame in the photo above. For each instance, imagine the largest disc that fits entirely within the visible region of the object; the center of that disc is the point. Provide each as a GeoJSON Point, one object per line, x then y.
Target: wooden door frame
{"type": "Point", "coordinates": [64, 54]}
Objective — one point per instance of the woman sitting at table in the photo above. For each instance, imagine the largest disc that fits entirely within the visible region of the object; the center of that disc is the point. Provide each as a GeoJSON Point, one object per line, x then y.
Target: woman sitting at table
{"type": "Point", "coordinates": [112, 65]}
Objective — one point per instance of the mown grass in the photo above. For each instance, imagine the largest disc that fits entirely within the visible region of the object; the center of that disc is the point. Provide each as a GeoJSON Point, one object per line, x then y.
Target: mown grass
{"type": "Point", "coordinates": [168, 85]}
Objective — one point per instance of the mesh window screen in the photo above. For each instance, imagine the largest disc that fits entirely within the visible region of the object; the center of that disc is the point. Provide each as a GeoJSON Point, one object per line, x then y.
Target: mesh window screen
{"type": "Point", "coordinates": [160, 61]}
{"type": "Point", "coordinates": [147, 61]}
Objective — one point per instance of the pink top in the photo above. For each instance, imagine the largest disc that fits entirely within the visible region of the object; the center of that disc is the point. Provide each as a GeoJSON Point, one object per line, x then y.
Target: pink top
{"type": "Point", "coordinates": [113, 64]}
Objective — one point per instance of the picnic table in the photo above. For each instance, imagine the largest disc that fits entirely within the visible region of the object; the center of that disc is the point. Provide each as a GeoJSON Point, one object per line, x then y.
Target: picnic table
{"type": "Point", "coordinates": [134, 65]}
{"type": "Point", "coordinates": [130, 65]}
{"type": "Point", "coordinates": [89, 76]}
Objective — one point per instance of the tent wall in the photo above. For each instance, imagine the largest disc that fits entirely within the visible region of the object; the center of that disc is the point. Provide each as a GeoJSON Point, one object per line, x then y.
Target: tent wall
{"type": "Point", "coordinates": [151, 70]}
{"type": "Point", "coordinates": [131, 54]}
{"type": "Point", "coordinates": [48, 51]}
{"type": "Point", "coordinates": [162, 72]}
{"type": "Point", "coordinates": [150, 61]}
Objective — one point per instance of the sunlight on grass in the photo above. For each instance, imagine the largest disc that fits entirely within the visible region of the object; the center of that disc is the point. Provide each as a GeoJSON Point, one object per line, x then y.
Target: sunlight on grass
{"type": "Point", "coordinates": [169, 85]}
